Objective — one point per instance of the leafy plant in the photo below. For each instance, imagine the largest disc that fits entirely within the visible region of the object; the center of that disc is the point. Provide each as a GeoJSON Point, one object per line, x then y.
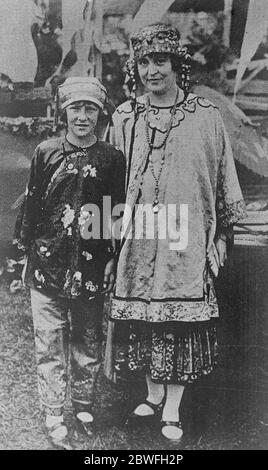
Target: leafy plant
{"type": "Point", "coordinates": [28, 127]}
{"type": "Point", "coordinates": [206, 42]}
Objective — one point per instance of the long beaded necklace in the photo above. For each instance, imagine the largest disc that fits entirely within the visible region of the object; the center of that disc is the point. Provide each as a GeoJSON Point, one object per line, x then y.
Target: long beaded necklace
{"type": "Point", "coordinates": [157, 147]}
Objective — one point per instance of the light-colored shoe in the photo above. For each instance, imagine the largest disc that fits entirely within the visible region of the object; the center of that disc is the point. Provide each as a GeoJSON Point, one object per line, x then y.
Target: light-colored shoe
{"type": "Point", "coordinates": [59, 436]}
{"type": "Point", "coordinates": [172, 430]}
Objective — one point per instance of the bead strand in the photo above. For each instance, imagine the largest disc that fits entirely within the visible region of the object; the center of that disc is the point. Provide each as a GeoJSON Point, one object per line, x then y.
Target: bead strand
{"type": "Point", "coordinates": [158, 147]}
{"type": "Point", "coordinates": [167, 131]}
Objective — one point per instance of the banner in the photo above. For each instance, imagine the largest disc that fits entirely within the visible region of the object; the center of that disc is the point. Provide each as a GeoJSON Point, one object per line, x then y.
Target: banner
{"type": "Point", "coordinates": [18, 56]}
{"type": "Point", "coordinates": [255, 29]}
{"type": "Point", "coordinates": [151, 11]}
{"type": "Point", "coordinates": [72, 21]}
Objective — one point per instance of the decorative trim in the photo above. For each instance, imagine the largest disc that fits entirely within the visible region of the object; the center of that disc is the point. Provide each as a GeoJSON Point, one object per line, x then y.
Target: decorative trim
{"type": "Point", "coordinates": [189, 105]}
{"type": "Point", "coordinates": [231, 213]}
{"type": "Point", "coordinates": [165, 299]}
{"type": "Point", "coordinates": [164, 311]}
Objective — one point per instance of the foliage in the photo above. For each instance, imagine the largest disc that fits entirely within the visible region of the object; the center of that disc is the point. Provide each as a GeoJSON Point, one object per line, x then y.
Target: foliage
{"type": "Point", "coordinates": [214, 79]}
{"type": "Point", "coordinates": [113, 76]}
{"type": "Point", "coordinates": [209, 52]}
{"type": "Point", "coordinates": [28, 127]}
{"type": "Point", "coordinates": [206, 44]}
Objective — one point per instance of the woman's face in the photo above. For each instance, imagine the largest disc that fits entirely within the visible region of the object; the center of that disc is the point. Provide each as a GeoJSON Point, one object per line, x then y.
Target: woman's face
{"type": "Point", "coordinates": [156, 74]}
{"type": "Point", "coordinates": [82, 117]}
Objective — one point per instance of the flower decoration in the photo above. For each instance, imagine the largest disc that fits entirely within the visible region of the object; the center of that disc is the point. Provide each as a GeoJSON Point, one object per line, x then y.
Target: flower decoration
{"type": "Point", "coordinates": [76, 284]}
{"type": "Point", "coordinates": [77, 276]}
{"type": "Point", "coordinates": [15, 286]}
{"type": "Point", "coordinates": [84, 217]}
{"type": "Point", "coordinates": [91, 287]}
{"type": "Point", "coordinates": [28, 126]}
{"type": "Point", "coordinates": [71, 169]}
{"type": "Point", "coordinates": [74, 171]}
{"type": "Point", "coordinates": [68, 216]}
{"type": "Point", "coordinates": [10, 265]}
{"type": "Point", "coordinates": [88, 169]}
{"type": "Point", "coordinates": [39, 276]}
{"type": "Point", "coordinates": [87, 255]}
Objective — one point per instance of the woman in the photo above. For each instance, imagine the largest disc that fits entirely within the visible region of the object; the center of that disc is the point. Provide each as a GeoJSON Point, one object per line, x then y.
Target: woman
{"type": "Point", "coordinates": [178, 153]}
{"type": "Point", "coordinates": [69, 267]}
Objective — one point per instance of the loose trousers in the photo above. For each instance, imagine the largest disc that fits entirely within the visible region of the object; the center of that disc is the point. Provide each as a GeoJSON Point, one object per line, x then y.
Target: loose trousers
{"type": "Point", "coordinates": [63, 327]}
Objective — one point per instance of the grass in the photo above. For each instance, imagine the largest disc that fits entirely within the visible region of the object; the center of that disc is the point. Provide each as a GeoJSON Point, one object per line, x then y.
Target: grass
{"type": "Point", "coordinates": [215, 413]}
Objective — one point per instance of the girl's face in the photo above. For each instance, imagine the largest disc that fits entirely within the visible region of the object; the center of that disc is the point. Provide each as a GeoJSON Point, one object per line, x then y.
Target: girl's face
{"type": "Point", "coordinates": [82, 117]}
{"type": "Point", "coordinates": [156, 74]}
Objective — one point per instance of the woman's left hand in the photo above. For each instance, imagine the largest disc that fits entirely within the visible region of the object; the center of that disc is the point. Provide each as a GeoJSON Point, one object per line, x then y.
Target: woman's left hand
{"type": "Point", "coordinates": [109, 276]}
{"type": "Point", "coordinates": [221, 247]}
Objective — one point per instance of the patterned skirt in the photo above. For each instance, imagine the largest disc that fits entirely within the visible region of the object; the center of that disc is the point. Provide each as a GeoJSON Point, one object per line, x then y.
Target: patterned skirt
{"type": "Point", "coordinates": [170, 352]}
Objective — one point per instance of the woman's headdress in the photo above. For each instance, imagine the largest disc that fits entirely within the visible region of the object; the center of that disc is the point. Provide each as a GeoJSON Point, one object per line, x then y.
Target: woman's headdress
{"type": "Point", "coordinates": [159, 38]}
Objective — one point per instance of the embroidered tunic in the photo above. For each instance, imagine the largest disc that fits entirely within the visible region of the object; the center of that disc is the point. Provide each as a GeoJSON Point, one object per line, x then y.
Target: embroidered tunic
{"type": "Point", "coordinates": [63, 198]}
{"type": "Point", "coordinates": [156, 283]}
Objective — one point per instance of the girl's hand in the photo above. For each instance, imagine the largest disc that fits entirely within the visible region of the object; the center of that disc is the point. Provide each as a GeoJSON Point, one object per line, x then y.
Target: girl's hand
{"type": "Point", "coordinates": [109, 276]}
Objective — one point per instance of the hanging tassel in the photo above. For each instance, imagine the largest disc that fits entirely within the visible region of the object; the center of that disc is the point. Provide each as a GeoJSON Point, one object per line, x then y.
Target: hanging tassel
{"type": "Point", "coordinates": [56, 113]}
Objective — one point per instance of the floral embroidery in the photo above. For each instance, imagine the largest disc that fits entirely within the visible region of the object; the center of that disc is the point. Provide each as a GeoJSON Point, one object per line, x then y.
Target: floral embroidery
{"type": "Point", "coordinates": [51, 219]}
{"type": "Point", "coordinates": [74, 171]}
{"type": "Point", "coordinates": [88, 169]}
{"type": "Point", "coordinates": [44, 251]}
{"type": "Point", "coordinates": [71, 169]}
{"type": "Point", "coordinates": [84, 217]}
{"type": "Point", "coordinates": [76, 284]}
{"type": "Point", "coordinates": [73, 284]}
{"type": "Point", "coordinates": [68, 216]}
{"type": "Point", "coordinates": [171, 354]}
{"type": "Point", "coordinates": [166, 310]}
{"type": "Point", "coordinates": [11, 263]}
{"type": "Point", "coordinates": [91, 287]}
{"type": "Point", "coordinates": [77, 276]}
{"type": "Point", "coordinates": [87, 255]}
{"type": "Point", "coordinates": [68, 281]}
{"type": "Point", "coordinates": [39, 276]}
{"type": "Point", "coordinates": [229, 214]}
{"type": "Point", "coordinates": [19, 245]}
{"type": "Point", "coordinates": [81, 154]}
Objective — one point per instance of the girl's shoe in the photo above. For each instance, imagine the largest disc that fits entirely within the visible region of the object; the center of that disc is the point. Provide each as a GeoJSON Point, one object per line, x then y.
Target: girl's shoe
{"type": "Point", "coordinates": [57, 439]}
{"type": "Point", "coordinates": [85, 420]}
{"type": "Point", "coordinates": [168, 428]}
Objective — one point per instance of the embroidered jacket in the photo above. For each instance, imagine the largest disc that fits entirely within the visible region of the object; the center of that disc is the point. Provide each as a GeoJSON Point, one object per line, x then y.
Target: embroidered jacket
{"type": "Point", "coordinates": [62, 204]}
